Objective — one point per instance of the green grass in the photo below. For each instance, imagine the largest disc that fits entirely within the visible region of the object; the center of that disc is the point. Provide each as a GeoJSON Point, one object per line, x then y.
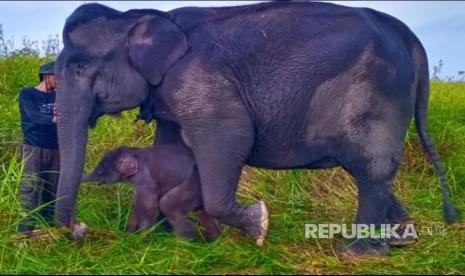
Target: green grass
{"type": "Point", "coordinates": [294, 197]}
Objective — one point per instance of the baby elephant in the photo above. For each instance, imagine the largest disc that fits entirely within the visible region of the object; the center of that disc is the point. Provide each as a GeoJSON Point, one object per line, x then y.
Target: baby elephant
{"type": "Point", "coordinates": [165, 179]}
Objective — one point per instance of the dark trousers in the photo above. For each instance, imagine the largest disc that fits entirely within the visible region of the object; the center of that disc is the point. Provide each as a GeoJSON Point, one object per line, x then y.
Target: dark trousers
{"type": "Point", "coordinates": [39, 185]}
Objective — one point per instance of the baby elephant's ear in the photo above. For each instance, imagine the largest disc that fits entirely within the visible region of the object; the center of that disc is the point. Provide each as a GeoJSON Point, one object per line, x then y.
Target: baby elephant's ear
{"type": "Point", "coordinates": [127, 165]}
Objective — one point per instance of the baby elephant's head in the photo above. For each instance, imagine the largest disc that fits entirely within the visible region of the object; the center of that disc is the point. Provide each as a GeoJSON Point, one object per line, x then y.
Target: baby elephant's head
{"type": "Point", "coordinates": [117, 165]}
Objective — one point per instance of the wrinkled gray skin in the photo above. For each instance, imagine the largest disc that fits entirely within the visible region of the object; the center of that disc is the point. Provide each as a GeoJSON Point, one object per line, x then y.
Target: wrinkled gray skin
{"type": "Point", "coordinates": [272, 85]}
{"type": "Point", "coordinates": [165, 179]}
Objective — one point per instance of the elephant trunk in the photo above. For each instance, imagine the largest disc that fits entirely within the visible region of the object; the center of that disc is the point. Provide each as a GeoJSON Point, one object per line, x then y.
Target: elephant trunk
{"type": "Point", "coordinates": [72, 137]}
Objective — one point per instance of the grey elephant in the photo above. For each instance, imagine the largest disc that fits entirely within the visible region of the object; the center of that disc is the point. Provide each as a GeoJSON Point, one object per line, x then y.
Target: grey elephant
{"type": "Point", "coordinates": [165, 179]}
{"type": "Point", "coordinates": [275, 85]}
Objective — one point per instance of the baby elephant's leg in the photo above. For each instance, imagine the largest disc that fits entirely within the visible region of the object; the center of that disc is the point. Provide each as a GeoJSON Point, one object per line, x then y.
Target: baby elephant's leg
{"type": "Point", "coordinates": [213, 231]}
{"type": "Point", "coordinates": [145, 210]}
{"type": "Point", "coordinates": [176, 204]}
{"type": "Point", "coordinates": [133, 224]}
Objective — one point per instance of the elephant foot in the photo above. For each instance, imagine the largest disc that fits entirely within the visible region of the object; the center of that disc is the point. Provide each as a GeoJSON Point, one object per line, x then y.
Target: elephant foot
{"type": "Point", "coordinates": [402, 240]}
{"type": "Point", "coordinates": [132, 226]}
{"type": "Point", "coordinates": [259, 216]}
{"type": "Point", "coordinates": [79, 232]}
{"type": "Point", "coordinates": [210, 228]}
{"type": "Point", "coordinates": [25, 229]}
{"type": "Point", "coordinates": [363, 247]}
{"type": "Point", "coordinates": [187, 234]}
{"type": "Point", "coordinates": [209, 237]}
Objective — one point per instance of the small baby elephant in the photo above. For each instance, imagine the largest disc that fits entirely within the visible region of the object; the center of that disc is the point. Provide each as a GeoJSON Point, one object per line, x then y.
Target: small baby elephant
{"type": "Point", "coordinates": [165, 179]}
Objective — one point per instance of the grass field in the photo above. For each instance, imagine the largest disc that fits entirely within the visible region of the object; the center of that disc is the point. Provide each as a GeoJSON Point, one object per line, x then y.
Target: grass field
{"type": "Point", "coordinates": [294, 198]}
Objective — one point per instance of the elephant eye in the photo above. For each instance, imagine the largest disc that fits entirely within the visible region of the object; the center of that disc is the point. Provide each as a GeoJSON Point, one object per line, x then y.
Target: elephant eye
{"type": "Point", "coordinates": [80, 67]}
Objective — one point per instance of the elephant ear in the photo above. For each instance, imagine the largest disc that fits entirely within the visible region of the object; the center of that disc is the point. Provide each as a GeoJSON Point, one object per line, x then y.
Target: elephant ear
{"type": "Point", "coordinates": [155, 43]}
{"type": "Point", "coordinates": [127, 165]}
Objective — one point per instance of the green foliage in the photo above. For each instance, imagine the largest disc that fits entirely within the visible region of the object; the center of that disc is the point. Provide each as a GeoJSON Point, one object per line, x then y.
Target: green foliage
{"type": "Point", "coordinates": [294, 198]}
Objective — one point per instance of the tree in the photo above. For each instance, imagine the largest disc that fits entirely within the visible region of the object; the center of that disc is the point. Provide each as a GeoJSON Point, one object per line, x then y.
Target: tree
{"type": "Point", "coordinates": [51, 46]}
{"type": "Point", "coordinates": [461, 75]}
{"type": "Point", "coordinates": [3, 45]}
{"type": "Point", "coordinates": [437, 69]}
{"type": "Point", "coordinates": [29, 47]}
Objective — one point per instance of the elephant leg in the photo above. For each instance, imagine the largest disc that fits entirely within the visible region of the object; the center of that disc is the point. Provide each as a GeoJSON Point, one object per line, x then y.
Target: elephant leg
{"type": "Point", "coordinates": [213, 230]}
{"type": "Point", "coordinates": [220, 160]}
{"type": "Point", "coordinates": [166, 133]}
{"type": "Point", "coordinates": [396, 214]}
{"type": "Point", "coordinates": [374, 173]}
{"type": "Point", "coordinates": [145, 211]}
{"type": "Point", "coordinates": [134, 222]}
{"type": "Point", "coordinates": [176, 204]}
{"type": "Point", "coordinates": [373, 201]}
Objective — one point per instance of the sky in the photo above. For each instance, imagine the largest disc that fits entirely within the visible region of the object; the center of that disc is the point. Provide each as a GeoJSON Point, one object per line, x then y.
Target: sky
{"type": "Point", "coordinates": [440, 25]}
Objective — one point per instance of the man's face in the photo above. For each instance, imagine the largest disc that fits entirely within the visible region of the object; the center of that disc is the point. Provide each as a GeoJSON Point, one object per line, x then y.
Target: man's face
{"type": "Point", "coordinates": [50, 82]}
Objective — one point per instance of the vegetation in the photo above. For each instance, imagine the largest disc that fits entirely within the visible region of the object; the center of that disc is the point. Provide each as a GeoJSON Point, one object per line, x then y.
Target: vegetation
{"type": "Point", "coordinates": [294, 197]}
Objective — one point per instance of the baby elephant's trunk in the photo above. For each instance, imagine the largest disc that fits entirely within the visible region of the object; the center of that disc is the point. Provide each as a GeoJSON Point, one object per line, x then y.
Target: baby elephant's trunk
{"type": "Point", "coordinates": [86, 178]}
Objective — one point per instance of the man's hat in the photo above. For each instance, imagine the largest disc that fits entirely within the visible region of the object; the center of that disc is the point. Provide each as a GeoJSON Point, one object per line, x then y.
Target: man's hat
{"type": "Point", "coordinates": [47, 68]}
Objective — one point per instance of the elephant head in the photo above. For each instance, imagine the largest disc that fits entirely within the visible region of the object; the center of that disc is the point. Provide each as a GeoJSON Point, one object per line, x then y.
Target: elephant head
{"type": "Point", "coordinates": [110, 61]}
{"type": "Point", "coordinates": [117, 165]}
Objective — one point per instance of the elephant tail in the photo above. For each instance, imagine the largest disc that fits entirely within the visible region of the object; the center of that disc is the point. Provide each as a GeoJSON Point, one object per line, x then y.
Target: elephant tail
{"type": "Point", "coordinates": [451, 213]}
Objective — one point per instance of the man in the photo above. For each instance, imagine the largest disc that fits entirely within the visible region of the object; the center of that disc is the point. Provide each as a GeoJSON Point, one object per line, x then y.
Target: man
{"type": "Point", "coordinates": [39, 150]}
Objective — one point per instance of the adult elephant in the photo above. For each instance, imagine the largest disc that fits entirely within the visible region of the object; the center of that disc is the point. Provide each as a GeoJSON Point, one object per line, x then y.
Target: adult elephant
{"type": "Point", "coordinates": [271, 85]}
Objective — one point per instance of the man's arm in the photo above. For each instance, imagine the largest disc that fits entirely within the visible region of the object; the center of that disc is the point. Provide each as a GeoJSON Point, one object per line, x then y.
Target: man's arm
{"type": "Point", "coordinates": [27, 106]}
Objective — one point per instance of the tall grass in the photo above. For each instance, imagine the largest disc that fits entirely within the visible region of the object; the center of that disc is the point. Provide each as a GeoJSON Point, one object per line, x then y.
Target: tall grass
{"type": "Point", "coordinates": [294, 197]}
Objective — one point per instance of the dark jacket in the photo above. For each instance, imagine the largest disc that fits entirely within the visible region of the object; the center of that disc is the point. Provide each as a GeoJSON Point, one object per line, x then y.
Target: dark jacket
{"type": "Point", "coordinates": [36, 109]}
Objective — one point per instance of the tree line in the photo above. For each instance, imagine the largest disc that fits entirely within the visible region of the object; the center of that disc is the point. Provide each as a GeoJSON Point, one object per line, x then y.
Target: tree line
{"type": "Point", "coordinates": [50, 46]}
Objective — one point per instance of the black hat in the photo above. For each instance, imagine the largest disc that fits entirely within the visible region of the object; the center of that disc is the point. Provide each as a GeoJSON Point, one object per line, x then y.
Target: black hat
{"type": "Point", "coordinates": [47, 68]}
